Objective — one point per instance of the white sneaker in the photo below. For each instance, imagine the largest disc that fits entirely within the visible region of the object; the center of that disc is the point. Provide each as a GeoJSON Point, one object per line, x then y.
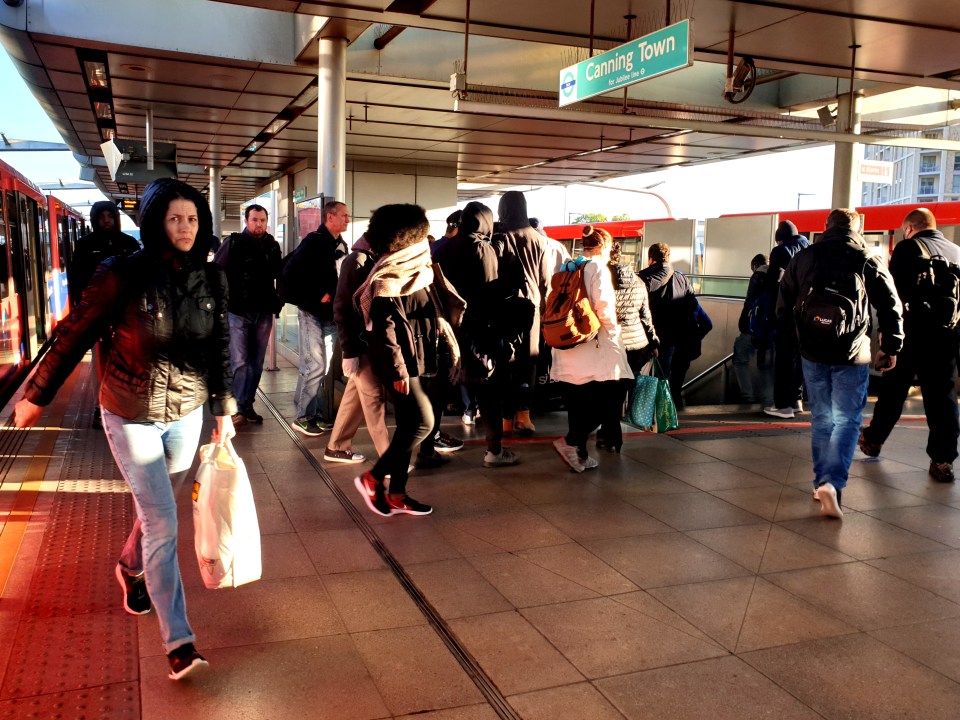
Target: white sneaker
{"type": "Point", "coordinates": [569, 455]}
{"type": "Point", "coordinates": [589, 463]}
{"type": "Point", "coordinates": [504, 458]}
{"type": "Point", "coordinates": [829, 505]}
{"type": "Point", "coordinates": [786, 413]}
{"type": "Point", "coordinates": [798, 407]}
{"type": "Point", "coordinates": [467, 419]}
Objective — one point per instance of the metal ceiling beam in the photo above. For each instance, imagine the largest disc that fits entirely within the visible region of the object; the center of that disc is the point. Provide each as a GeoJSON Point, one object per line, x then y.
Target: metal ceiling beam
{"type": "Point", "coordinates": [30, 145]}
{"type": "Point", "coordinates": [717, 128]}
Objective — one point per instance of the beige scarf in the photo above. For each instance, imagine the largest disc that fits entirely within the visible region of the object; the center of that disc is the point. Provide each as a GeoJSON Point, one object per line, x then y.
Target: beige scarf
{"type": "Point", "coordinates": [396, 274]}
{"type": "Point", "coordinates": [402, 273]}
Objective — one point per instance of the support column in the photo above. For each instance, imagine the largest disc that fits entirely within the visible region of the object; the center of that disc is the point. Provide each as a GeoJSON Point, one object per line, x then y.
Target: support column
{"type": "Point", "coordinates": [215, 199]}
{"type": "Point", "coordinates": [332, 118]}
{"type": "Point", "coordinates": [847, 189]}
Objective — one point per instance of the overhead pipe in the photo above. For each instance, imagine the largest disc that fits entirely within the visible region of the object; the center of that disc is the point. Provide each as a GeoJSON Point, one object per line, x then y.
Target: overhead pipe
{"type": "Point", "coordinates": [717, 128]}
{"type": "Point", "coordinates": [150, 139]}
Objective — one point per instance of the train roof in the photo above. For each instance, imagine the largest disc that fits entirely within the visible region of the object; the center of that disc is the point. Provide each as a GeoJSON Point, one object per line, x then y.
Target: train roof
{"type": "Point", "coordinates": [876, 218]}
{"type": "Point", "coordinates": [11, 178]}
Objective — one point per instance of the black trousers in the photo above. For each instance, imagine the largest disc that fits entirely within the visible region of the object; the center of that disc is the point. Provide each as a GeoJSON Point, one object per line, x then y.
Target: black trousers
{"type": "Point", "coordinates": [414, 416]}
{"type": "Point", "coordinates": [931, 358]}
{"type": "Point", "coordinates": [489, 395]}
{"type": "Point", "coordinates": [586, 406]}
{"type": "Point", "coordinates": [787, 368]}
{"type": "Point", "coordinates": [613, 410]}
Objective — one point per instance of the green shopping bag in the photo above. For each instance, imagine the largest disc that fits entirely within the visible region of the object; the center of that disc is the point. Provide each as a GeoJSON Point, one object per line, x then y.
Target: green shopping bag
{"type": "Point", "coordinates": [666, 411]}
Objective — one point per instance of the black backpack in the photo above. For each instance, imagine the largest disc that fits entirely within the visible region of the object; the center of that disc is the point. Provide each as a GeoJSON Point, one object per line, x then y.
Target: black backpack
{"type": "Point", "coordinates": [934, 298]}
{"type": "Point", "coordinates": [834, 313]}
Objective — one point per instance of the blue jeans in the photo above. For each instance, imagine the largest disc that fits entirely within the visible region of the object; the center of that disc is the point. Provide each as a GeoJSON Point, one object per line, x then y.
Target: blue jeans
{"type": "Point", "coordinates": [837, 396]}
{"type": "Point", "coordinates": [316, 352]}
{"type": "Point", "coordinates": [248, 347]}
{"type": "Point", "coordinates": [153, 458]}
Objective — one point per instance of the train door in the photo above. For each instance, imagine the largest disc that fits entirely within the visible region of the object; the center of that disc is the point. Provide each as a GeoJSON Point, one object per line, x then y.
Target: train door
{"type": "Point", "coordinates": [42, 240]}
{"type": "Point", "coordinates": [22, 212]}
{"type": "Point", "coordinates": [10, 333]}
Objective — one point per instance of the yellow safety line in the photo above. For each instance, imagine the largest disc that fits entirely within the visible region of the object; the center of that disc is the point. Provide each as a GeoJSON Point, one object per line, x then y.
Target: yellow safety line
{"type": "Point", "coordinates": [21, 514]}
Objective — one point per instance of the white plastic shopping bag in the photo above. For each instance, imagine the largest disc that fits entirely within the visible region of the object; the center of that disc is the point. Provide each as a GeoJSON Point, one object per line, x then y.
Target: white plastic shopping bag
{"type": "Point", "coordinates": [225, 528]}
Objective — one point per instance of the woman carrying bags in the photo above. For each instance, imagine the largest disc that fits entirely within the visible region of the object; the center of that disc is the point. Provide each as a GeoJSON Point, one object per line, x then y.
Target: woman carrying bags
{"type": "Point", "coordinates": [166, 310]}
{"type": "Point", "coordinates": [638, 337]}
{"type": "Point", "coordinates": [592, 369]}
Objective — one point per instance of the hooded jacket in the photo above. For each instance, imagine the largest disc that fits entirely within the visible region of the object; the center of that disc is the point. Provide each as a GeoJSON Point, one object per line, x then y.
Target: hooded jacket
{"type": "Point", "coordinates": [789, 243]}
{"type": "Point", "coordinates": [95, 247]}
{"type": "Point", "coordinates": [842, 246]}
{"type": "Point", "coordinates": [469, 263]}
{"type": "Point", "coordinates": [672, 302]}
{"type": "Point", "coordinates": [170, 345]}
{"type": "Point", "coordinates": [520, 241]}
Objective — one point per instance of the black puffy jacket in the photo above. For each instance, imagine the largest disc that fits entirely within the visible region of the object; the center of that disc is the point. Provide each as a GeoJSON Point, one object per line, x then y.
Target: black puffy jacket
{"type": "Point", "coordinates": [169, 350]}
{"type": "Point", "coordinates": [633, 308]}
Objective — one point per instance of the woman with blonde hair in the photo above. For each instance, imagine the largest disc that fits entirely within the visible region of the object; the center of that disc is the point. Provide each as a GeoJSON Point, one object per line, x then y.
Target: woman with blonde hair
{"type": "Point", "coordinates": [593, 369]}
{"type": "Point", "coordinates": [637, 335]}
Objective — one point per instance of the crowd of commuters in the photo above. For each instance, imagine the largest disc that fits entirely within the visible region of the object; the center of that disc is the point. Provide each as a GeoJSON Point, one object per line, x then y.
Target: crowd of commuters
{"type": "Point", "coordinates": [416, 319]}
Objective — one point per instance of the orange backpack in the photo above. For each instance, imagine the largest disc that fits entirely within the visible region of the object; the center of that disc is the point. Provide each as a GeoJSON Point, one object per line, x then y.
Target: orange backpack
{"type": "Point", "coordinates": [569, 319]}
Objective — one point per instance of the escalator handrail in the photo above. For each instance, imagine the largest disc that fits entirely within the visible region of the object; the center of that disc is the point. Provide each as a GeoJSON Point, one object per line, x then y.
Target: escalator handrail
{"type": "Point", "coordinates": [710, 370]}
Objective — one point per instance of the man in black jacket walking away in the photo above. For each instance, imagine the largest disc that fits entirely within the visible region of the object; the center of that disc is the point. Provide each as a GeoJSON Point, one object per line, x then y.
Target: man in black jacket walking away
{"type": "Point", "coordinates": [310, 282]}
{"type": "Point", "coordinates": [929, 350]}
{"type": "Point", "coordinates": [104, 242]}
{"type": "Point", "coordinates": [825, 294]}
{"type": "Point", "coordinates": [787, 373]}
{"type": "Point", "coordinates": [251, 260]}
{"type": "Point", "coordinates": [672, 304]}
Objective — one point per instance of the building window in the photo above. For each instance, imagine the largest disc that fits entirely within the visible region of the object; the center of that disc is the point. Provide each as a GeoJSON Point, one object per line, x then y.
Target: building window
{"type": "Point", "coordinates": [928, 186]}
{"type": "Point", "coordinates": [956, 184]}
{"type": "Point", "coordinates": [928, 163]}
{"type": "Point", "coordinates": [956, 162]}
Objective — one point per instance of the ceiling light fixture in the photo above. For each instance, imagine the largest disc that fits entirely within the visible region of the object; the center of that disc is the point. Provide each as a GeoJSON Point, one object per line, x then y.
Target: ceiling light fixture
{"type": "Point", "coordinates": [96, 77]}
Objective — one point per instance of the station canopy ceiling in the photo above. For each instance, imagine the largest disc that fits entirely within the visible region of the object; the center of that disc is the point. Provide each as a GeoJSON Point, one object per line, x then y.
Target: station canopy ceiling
{"type": "Point", "coordinates": [233, 84]}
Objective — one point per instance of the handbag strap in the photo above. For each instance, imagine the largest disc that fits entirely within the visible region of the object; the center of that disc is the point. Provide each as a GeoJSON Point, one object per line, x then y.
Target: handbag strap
{"type": "Point", "coordinates": [657, 371]}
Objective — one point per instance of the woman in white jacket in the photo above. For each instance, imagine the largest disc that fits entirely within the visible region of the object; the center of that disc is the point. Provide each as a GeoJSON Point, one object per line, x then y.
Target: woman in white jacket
{"type": "Point", "coordinates": [591, 370]}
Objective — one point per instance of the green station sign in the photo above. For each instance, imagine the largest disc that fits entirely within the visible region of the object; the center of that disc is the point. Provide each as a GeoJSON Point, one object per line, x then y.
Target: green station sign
{"type": "Point", "coordinates": [659, 52]}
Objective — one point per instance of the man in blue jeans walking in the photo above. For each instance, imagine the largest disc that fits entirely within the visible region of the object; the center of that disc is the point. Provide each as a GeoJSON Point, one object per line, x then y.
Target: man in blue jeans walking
{"type": "Point", "coordinates": [826, 292]}
{"type": "Point", "coordinates": [309, 281]}
{"type": "Point", "coordinates": [251, 260]}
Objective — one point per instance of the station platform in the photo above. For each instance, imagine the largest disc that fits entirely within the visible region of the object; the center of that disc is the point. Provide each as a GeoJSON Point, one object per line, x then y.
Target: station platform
{"type": "Point", "coordinates": [690, 576]}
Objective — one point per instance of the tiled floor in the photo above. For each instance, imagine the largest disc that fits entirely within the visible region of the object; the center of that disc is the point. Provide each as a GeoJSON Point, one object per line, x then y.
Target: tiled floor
{"type": "Point", "coordinates": [690, 576]}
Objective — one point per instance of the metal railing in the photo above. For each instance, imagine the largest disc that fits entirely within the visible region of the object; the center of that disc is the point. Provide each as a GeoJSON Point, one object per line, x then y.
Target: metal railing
{"type": "Point", "coordinates": [709, 371]}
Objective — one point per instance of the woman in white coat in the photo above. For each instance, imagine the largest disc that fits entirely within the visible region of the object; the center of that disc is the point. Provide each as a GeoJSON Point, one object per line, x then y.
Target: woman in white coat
{"type": "Point", "coordinates": [592, 369]}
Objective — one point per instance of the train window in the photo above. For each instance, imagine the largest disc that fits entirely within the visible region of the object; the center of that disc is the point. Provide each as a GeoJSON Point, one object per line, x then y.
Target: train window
{"type": "Point", "coordinates": [46, 242]}
{"type": "Point", "coordinates": [63, 241]}
{"type": "Point", "coordinates": [4, 262]}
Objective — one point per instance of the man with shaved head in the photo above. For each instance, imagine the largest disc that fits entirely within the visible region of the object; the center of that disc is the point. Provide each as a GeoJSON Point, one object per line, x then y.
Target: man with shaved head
{"type": "Point", "coordinates": [929, 351]}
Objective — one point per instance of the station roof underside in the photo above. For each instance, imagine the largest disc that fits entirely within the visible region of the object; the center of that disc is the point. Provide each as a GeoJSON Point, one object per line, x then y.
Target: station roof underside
{"type": "Point", "coordinates": [232, 84]}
